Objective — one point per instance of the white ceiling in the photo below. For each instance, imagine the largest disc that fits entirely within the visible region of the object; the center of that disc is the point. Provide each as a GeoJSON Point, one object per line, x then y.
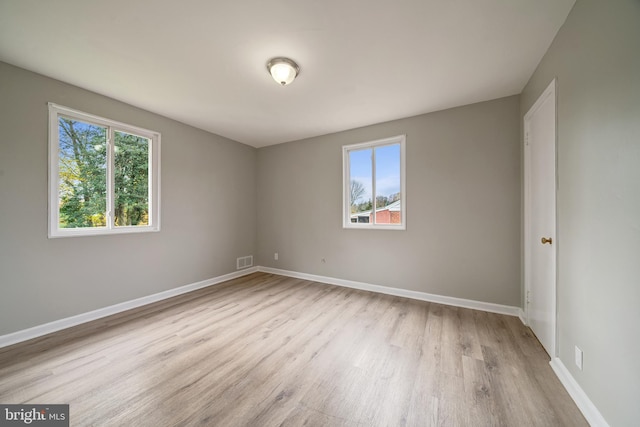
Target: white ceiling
{"type": "Point", "coordinates": [202, 62]}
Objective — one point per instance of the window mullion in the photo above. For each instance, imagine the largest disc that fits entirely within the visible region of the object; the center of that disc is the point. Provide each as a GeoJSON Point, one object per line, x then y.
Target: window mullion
{"type": "Point", "coordinates": [110, 178]}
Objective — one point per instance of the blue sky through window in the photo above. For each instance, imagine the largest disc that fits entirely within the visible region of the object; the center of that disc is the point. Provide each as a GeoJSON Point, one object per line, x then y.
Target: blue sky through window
{"type": "Point", "coordinates": [387, 170]}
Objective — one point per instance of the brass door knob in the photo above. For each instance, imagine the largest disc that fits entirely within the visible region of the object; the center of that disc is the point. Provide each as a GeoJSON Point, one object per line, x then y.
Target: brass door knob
{"type": "Point", "coordinates": [546, 240]}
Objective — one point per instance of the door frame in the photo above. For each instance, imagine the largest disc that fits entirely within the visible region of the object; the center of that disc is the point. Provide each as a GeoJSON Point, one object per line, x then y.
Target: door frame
{"type": "Point", "coordinates": [550, 91]}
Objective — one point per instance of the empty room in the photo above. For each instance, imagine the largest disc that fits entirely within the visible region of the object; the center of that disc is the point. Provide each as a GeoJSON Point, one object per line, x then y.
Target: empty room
{"type": "Point", "coordinates": [321, 213]}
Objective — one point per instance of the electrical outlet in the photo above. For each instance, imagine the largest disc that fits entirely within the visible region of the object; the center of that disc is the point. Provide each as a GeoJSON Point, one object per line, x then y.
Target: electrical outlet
{"type": "Point", "coordinates": [579, 358]}
{"type": "Point", "coordinates": [275, 256]}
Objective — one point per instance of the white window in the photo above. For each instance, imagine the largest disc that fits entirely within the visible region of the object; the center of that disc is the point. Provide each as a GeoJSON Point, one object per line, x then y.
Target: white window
{"type": "Point", "coordinates": [104, 176]}
{"type": "Point", "coordinates": [374, 194]}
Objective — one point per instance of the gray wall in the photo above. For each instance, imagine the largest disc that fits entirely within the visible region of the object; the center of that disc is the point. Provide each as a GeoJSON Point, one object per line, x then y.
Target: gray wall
{"type": "Point", "coordinates": [596, 58]}
{"type": "Point", "coordinates": [208, 211]}
{"type": "Point", "coordinates": [463, 206]}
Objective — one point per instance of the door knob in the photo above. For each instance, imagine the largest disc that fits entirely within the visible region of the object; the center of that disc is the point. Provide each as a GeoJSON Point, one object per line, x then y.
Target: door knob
{"type": "Point", "coordinates": [546, 240]}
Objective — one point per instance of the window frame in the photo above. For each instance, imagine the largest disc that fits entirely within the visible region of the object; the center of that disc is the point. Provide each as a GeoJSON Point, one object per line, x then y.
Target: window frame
{"type": "Point", "coordinates": [346, 184]}
{"type": "Point", "coordinates": [55, 112]}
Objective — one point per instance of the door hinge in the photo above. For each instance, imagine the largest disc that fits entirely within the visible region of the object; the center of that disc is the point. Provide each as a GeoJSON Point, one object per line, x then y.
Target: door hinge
{"type": "Point", "coordinates": [528, 293]}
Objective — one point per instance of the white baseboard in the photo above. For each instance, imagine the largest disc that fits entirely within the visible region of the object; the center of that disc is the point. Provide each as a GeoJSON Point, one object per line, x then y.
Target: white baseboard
{"type": "Point", "coordinates": [422, 296]}
{"type": "Point", "coordinates": [522, 316]}
{"type": "Point", "coordinates": [57, 325]}
{"type": "Point", "coordinates": [588, 409]}
{"type": "Point", "coordinates": [586, 406]}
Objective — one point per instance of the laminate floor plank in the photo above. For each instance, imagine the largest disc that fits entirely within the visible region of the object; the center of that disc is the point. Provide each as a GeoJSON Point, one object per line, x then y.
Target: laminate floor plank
{"type": "Point", "coordinates": [424, 403]}
{"type": "Point", "coordinates": [267, 350]}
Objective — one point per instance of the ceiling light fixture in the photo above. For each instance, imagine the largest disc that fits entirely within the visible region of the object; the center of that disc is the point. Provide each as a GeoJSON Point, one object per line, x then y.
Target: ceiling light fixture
{"type": "Point", "coordinates": [283, 70]}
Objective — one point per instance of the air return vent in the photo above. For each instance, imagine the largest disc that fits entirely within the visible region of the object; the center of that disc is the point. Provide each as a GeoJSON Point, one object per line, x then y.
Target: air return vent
{"type": "Point", "coordinates": [244, 262]}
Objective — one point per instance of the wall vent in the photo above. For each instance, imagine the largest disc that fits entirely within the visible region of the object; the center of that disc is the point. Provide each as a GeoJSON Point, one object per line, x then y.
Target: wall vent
{"type": "Point", "coordinates": [244, 262]}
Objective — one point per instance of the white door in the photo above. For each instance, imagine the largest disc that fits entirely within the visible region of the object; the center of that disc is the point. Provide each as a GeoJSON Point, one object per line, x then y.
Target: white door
{"type": "Point", "coordinates": [540, 218]}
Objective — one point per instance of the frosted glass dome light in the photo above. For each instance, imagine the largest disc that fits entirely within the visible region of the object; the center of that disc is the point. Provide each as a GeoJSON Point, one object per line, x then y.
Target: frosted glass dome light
{"type": "Point", "coordinates": [283, 70]}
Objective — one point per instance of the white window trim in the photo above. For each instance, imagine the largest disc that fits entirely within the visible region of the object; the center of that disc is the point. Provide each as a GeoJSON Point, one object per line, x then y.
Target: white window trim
{"type": "Point", "coordinates": [346, 215]}
{"type": "Point", "coordinates": [54, 231]}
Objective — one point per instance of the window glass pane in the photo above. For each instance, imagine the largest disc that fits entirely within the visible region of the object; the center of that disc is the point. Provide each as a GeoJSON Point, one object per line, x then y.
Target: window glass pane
{"type": "Point", "coordinates": [82, 174]}
{"type": "Point", "coordinates": [388, 191]}
{"type": "Point", "coordinates": [131, 174]}
{"type": "Point", "coordinates": [360, 180]}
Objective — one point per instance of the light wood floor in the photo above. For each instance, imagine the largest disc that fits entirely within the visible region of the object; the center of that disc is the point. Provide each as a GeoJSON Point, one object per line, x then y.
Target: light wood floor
{"type": "Point", "coordinates": [266, 350]}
